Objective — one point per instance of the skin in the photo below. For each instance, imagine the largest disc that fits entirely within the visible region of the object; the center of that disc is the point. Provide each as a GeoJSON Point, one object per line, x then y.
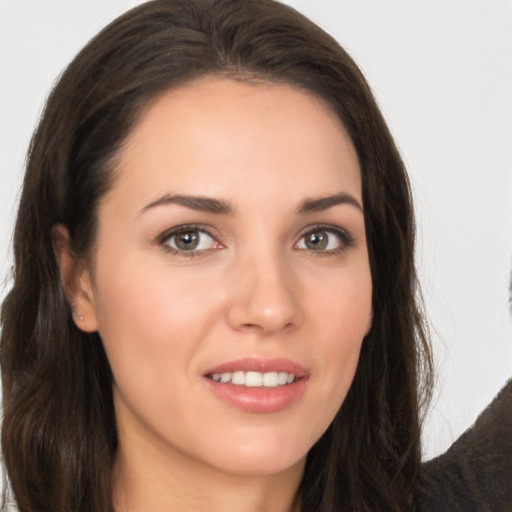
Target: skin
{"type": "Point", "coordinates": [253, 289]}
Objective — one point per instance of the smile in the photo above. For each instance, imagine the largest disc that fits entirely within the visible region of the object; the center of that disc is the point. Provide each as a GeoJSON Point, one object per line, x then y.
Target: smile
{"type": "Point", "coordinates": [254, 379]}
{"type": "Point", "coordinates": [258, 385]}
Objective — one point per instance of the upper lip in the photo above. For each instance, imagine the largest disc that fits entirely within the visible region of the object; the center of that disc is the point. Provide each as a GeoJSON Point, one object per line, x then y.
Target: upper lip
{"type": "Point", "coordinates": [258, 364]}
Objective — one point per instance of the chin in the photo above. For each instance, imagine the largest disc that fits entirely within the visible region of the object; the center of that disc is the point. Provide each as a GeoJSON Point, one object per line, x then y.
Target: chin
{"type": "Point", "coordinates": [260, 454]}
{"type": "Point", "coordinates": [259, 465]}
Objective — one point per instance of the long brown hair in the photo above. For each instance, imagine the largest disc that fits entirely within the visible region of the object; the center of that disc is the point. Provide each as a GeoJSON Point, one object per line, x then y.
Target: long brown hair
{"type": "Point", "coordinates": [59, 434]}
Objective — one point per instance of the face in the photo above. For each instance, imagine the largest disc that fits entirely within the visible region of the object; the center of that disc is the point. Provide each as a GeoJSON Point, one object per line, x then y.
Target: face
{"type": "Point", "coordinates": [230, 282]}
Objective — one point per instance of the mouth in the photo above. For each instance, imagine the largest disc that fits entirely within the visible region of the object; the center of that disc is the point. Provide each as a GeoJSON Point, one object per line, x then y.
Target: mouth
{"type": "Point", "coordinates": [258, 386]}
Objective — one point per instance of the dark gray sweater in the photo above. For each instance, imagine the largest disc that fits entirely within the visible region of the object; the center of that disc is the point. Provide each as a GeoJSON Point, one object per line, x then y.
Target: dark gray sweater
{"type": "Point", "coordinates": [475, 474]}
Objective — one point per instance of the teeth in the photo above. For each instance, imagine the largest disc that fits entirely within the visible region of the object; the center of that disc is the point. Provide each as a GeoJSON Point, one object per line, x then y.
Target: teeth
{"type": "Point", "coordinates": [255, 379]}
{"type": "Point", "coordinates": [282, 378]}
{"type": "Point", "coordinates": [238, 378]}
{"type": "Point", "coordinates": [225, 377]}
{"type": "Point", "coordinates": [270, 380]}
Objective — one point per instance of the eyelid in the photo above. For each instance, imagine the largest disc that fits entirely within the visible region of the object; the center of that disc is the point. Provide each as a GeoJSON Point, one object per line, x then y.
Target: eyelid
{"type": "Point", "coordinates": [164, 237]}
{"type": "Point", "coordinates": [346, 238]}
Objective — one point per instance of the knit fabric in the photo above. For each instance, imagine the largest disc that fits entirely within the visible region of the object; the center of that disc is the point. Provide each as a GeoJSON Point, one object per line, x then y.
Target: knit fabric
{"type": "Point", "coordinates": [475, 474]}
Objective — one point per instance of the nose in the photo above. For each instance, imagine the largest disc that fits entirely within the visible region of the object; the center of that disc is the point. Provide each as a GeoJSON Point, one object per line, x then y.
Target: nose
{"type": "Point", "coordinates": [265, 297]}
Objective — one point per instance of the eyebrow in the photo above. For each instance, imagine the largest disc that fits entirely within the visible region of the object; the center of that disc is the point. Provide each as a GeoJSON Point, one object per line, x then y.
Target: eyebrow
{"type": "Point", "coordinates": [222, 207]}
{"type": "Point", "coordinates": [324, 203]}
{"type": "Point", "coordinates": [202, 204]}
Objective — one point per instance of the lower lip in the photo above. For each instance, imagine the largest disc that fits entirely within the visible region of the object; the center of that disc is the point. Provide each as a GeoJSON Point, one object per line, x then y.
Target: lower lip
{"type": "Point", "coordinates": [259, 399]}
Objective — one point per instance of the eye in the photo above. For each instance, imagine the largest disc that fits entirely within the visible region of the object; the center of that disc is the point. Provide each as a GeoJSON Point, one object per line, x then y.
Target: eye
{"type": "Point", "coordinates": [188, 239]}
{"type": "Point", "coordinates": [325, 239]}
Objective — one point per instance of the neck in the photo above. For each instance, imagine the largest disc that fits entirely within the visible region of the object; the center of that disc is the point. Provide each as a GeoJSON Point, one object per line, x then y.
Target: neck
{"type": "Point", "coordinates": [148, 480]}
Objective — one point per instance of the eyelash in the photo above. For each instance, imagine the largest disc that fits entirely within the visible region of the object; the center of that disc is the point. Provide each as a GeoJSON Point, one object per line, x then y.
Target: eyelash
{"type": "Point", "coordinates": [164, 238]}
{"type": "Point", "coordinates": [346, 240]}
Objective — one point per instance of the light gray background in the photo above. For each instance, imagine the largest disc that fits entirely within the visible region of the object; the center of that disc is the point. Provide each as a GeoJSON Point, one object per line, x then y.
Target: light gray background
{"type": "Point", "coordinates": [442, 73]}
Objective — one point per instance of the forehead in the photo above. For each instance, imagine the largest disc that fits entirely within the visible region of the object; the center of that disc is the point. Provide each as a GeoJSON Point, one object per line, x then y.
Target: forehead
{"type": "Point", "coordinates": [215, 134]}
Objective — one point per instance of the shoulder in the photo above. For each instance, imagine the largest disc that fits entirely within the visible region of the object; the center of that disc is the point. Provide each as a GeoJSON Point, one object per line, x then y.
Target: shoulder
{"type": "Point", "coordinates": [475, 474]}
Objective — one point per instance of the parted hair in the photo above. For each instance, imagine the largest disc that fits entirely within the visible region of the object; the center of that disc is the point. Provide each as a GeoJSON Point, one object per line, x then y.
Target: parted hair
{"type": "Point", "coordinates": [59, 437]}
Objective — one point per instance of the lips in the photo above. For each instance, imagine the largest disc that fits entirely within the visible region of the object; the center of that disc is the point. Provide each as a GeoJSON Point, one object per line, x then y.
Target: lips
{"type": "Point", "coordinates": [258, 385]}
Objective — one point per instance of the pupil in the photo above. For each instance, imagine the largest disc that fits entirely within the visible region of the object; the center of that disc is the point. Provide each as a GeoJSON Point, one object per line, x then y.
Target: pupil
{"type": "Point", "coordinates": [187, 241]}
{"type": "Point", "coordinates": [317, 241]}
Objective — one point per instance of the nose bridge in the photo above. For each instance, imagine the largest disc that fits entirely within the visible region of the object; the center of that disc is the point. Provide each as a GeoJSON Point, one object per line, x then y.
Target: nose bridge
{"type": "Point", "coordinates": [265, 296]}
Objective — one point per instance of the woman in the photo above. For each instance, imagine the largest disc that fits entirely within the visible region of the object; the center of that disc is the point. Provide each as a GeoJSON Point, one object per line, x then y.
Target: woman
{"type": "Point", "coordinates": [214, 302]}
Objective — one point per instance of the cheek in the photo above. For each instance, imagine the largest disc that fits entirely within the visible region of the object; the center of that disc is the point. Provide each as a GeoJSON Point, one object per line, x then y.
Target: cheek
{"type": "Point", "coordinates": [342, 306]}
{"type": "Point", "coordinates": [151, 325]}
{"type": "Point", "coordinates": [146, 295]}
{"type": "Point", "coordinates": [342, 320]}
{"type": "Point", "coordinates": [148, 317]}
{"type": "Point", "coordinates": [343, 317]}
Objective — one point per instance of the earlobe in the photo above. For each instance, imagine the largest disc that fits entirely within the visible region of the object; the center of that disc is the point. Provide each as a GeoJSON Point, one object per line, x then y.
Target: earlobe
{"type": "Point", "coordinates": [76, 281]}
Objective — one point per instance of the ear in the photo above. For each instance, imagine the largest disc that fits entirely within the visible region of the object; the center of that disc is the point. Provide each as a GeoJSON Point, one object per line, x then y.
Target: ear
{"type": "Point", "coordinates": [76, 281]}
